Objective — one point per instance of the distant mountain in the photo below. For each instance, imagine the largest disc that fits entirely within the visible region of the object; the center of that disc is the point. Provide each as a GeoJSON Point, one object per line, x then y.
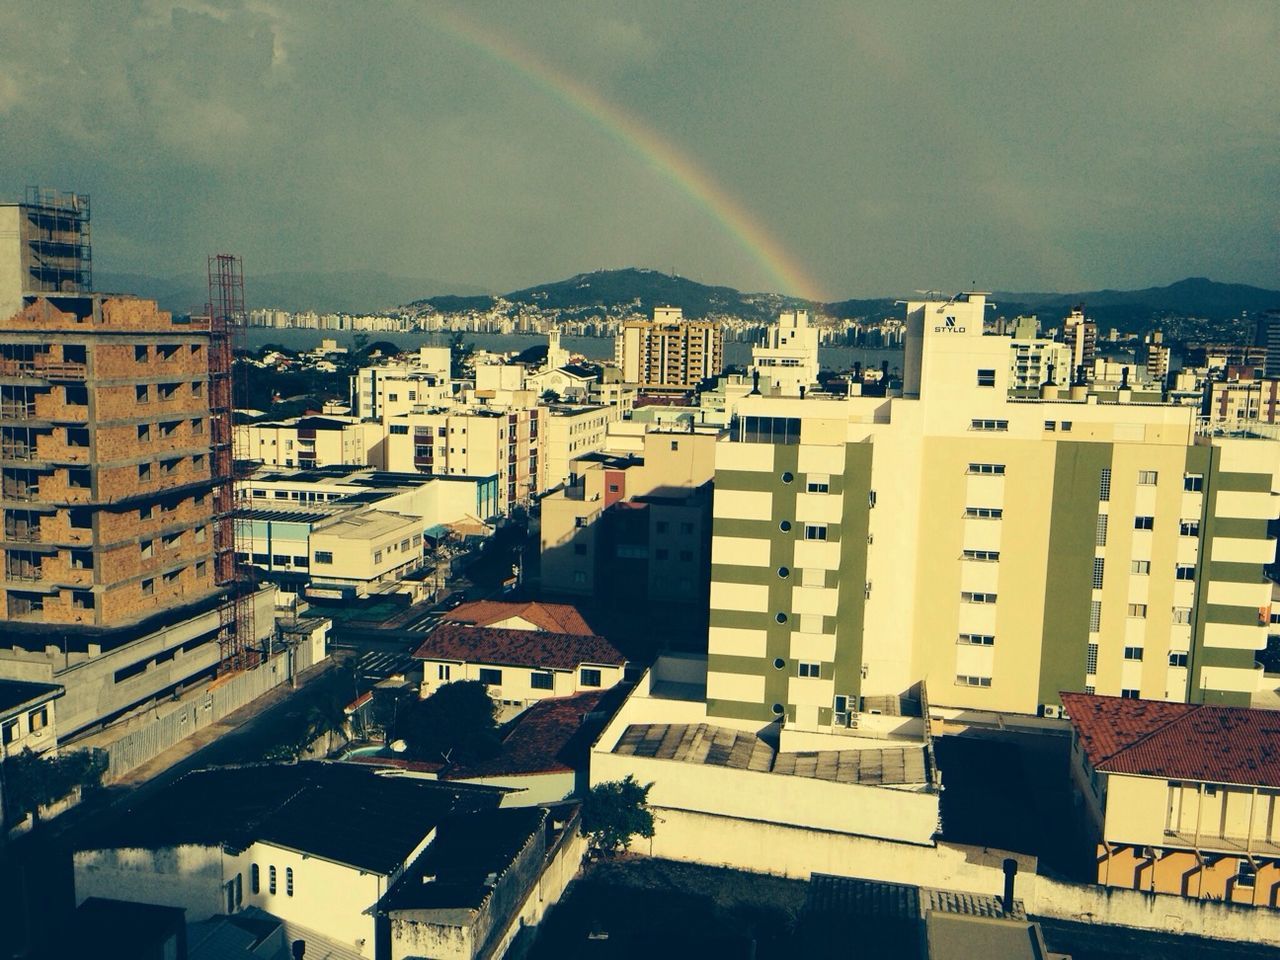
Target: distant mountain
{"type": "Point", "coordinates": [341, 292]}
{"type": "Point", "coordinates": [614, 292]}
{"type": "Point", "coordinates": [631, 290]}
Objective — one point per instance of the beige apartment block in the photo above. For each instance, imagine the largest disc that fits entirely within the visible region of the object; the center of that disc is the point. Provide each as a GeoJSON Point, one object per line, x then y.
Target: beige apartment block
{"type": "Point", "coordinates": [787, 358]}
{"type": "Point", "coordinates": [572, 432]}
{"type": "Point", "coordinates": [634, 525]}
{"type": "Point", "coordinates": [474, 442]}
{"type": "Point", "coordinates": [669, 352]}
{"type": "Point", "coordinates": [999, 549]}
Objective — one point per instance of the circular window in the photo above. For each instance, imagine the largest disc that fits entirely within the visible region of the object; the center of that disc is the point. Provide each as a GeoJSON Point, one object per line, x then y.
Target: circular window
{"type": "Point", "coordinates": [788, 476]}
{"type": "Point", "coordinates": [779, 663]}
{"type": "Point", "coordinates": [784, 526]}
{"type": "Point", "coordinates": [777, 709]}
{"type": "Point", "coordinates": [783, 572]}
{"type": "Point", "coordinates": [781, 618]}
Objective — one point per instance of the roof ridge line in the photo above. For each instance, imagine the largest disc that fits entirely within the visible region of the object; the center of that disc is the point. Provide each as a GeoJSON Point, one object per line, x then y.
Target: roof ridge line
{"type": "Point", "coordinates": [1194, 709]}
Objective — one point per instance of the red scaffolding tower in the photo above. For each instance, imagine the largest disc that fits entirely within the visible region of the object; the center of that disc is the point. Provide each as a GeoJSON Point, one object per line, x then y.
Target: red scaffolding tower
{"type": "Point", "coordinates": [236, 631]}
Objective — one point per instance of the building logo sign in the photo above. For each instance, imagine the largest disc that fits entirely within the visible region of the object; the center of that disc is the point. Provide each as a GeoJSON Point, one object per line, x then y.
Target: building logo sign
{"type": "Point", "coordinates": [949, 326]}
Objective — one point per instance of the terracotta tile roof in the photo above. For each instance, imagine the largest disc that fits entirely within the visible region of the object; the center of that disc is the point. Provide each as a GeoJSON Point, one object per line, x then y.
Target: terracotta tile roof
{"type": "Point", "coordinates": [517, 648]}
{"type": "Point", "coordinates": [549, 737]}
{"type": "Point", "coordinates": [1178, 741]}
{"type": "Point", "coordinates": [551, 617]}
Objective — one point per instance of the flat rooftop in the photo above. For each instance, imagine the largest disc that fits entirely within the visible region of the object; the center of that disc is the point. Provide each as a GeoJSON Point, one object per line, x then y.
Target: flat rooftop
{"type": "Point", "coordinates": [704, 743]}
{"type": "Point", "coordinates": [24, 694]}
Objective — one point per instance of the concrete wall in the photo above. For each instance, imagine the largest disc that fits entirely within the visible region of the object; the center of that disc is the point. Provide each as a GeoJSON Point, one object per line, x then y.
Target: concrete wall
{"type": "Point", "coordinates": [187, 876]}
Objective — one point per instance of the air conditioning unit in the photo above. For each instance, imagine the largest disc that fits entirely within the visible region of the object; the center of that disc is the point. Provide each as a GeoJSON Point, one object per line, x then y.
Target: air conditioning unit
{"type": "Point", "coordinates": [1050, 711]}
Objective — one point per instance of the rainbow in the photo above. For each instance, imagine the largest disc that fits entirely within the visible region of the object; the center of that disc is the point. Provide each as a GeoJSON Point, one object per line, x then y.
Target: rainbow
{"type": "Point", "coordinates": [678, 167]}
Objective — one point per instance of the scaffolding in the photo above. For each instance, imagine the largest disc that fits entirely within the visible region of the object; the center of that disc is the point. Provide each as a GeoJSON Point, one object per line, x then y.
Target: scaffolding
{"type": "Point", "coordinates": [58, 254]}
{"type": "Point", "coordinates": [236, 632]}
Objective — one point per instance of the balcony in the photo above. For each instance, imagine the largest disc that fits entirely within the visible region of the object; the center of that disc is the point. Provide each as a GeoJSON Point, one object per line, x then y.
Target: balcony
{"type": "Point", "coordinates": [60, 370]}
{"type": "Point", "coordinates": [17, 410]}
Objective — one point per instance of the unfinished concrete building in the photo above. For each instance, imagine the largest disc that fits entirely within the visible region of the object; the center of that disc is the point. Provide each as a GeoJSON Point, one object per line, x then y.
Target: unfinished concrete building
{"type": "Point", "coordinates": [107, 489]}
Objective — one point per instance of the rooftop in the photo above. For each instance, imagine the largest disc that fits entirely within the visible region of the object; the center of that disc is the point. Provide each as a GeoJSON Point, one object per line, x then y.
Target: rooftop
{"type": "Point", "coordinates": [307, 807]}
{"type": "Point", "coordinates": [725, 747]}
{"type": "Point", "coordinates": [18, 695]}
{"type": "Point", "coordinates": [1178, 741]}
{"type": "Point", "coordinates": [551, 617]}
{"type": "Point", "coordinates": [468, 850]}
{"type": "Point", "coordinates": [517, 648]}
{"type": "Point", "coordinates": [552, 736]}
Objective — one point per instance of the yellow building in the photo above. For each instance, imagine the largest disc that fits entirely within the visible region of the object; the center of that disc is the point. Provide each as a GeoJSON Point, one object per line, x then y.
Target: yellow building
{"type": "Point", "coordinates": [669, 352]}
{"type": "Point", "coordinates": [1000, 549]}
{"type": "Point", "coordinates": [1181, 798]}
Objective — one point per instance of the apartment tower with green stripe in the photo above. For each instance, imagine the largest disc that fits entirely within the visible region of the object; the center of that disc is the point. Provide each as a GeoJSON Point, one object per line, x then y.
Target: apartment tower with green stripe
{"type": "Point", "coordinates": [1001, 550]}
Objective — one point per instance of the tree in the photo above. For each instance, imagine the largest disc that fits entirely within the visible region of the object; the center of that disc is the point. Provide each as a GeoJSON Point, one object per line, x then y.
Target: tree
{"type": "Point", "coordinates": [616, 811]}
{"type": "Point", "coordinates": [550, 396]}
{"type": "Point", "coordinates": [359, 342]}
{"type": "Point", "coordinates": [32, 781]}
{"type": "Point", "coordinates": [456, 722]}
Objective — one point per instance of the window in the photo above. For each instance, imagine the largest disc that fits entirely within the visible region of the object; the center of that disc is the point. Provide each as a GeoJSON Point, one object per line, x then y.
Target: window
{"type": "Point", "coordinates": [197, 388]}
{"type": "Point", "coordinates": [377, 556]}
{"type": "Point", "coordinates": [144, 432]}
{"type": "Point", "coordinates": [815, 531]}
{"type": "Point", "coordinates": [970, 681]}
{"type": "Point", "coordinates": [986, 378]}
{"type": "Point", "coordinates": [399, 429]}
{"type": "Point", "coordinates": [1100, 532]}
{"type": "Point", "coordinates": [279, 560]}
{"type": "Point", "coordinates": [1098, 563]}
{"type": "Point", "coordinates": [812, 670]}
{"type": "Point", "coordinates": [589, 677]}
{"type": "Point", "coordinates": [147, 549]}
{"type": "Point", "coordinates": [271, 879]}
{"type": "Point", "coordinates": [542, 680]}
{"type": "Point", "coordinates": [1104, 485]}
{"type": "Point", "coordinates": [970, 597]}
{"type": "Point", "coordinates": [675, 444]}
{"type": "Point", "coordinates": [989, 556]}
{"type": "Point", "coordinates": [1177, 659]}
{"type": "Point", "coordinates": [255, 878]}
{"type": "Point", "coordinates": [661, 554]}
{"type": "Point", "coordinates": [1147, 478]}
{"type": "Point", "coordinates": [144, 471]}
{"type": "Point", "coordinates": [976, 639]}
{"type": "Point", "coordinates": [1185, 571]}
{"type": "Point", "coordinates": [490, 677]}
{"type": "Point", "coordinates": [1129, 693]}
{"type": "Point", "coordinates": [148, 588]}
{"type": "Point", "coordinates": [1189, 528]}
{"type": "Point", "coordinates": [1133, 653]}
{"type": "Point", "coordinates": [989, 469]}
{"type": "Point", "coordinates": [1181, 614]}
{"type": "Point", "coordinates": [1091, 660]}
{"type": "Point", "coordinates": [1138, 610]}
{"type": "Point", "coordinates": [818, 483]}
{"type": "Point", "coordinates": [443, 671]}
{"type": "Point", "coordinates": [142, 393]}
{"type": "Point", "coordinates": [140, 353]}
{"type": "Point", "coordinates": [324, 556]}
{"type": "Point", "coordinates": [1246, 874]}
{"type": "Point", "coordinates": [1143, 523]}
{"type": "Point", "coordinates": [983, 513]}
{"type": "Point", "coordinates": [1193, 483]}
{"type": "Point", "coordinates": [784, 526]}
{"type": "Point", "coordinates": [781, 430]}
{"type": "Point", "coordinates": [871, 499]}
{"type": "Point", "coordinates": [1066, 426]}
{"type": "Point", "coordinates": [393, 397]}
{"type": "Point", "coordinates": [1050, 425]}
{"type": "Point", "coordinates": [988, 424]}
{"type": "Point", "coordinates": [787, 476]}
{"type": "Point", "coordinates": [1141, 567]}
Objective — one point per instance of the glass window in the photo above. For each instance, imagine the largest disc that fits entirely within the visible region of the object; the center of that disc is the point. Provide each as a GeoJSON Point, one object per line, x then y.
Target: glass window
{"type": "Point", "coordinates": [271, 879]}
{"type": "Point", "coordinates": [490, 677]}
{"type": "Point", "coordinates": [589, 677]}
{"type": "Point", "coordinates": [542, 680]}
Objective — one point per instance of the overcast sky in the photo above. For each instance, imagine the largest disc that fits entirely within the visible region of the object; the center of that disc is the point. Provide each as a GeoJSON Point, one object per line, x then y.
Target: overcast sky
{"type": "Point", "coordinates": [882, 147]}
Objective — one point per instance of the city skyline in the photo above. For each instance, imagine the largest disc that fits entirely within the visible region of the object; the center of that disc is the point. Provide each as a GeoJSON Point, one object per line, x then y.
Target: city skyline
{"type": "Point", "coordinates": [1065, 149]}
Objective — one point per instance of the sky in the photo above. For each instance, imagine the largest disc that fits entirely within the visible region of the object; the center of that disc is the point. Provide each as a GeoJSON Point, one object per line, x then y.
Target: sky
{"type": "Point", "coordinates": [821, 149]}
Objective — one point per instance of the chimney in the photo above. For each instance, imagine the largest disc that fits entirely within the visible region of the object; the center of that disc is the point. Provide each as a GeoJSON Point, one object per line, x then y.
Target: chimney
{"type": "Point", "coordinates": [755, 384]}
{"type": "Point", "coordinates": [1010, 871]}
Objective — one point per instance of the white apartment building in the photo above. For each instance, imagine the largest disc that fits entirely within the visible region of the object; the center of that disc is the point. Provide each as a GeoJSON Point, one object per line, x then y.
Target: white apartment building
{"type": "Point", "coordinates": [1002, 550]}
{"type": "Point", "coordinates": [1034, 362]}
{"type": "Point", "coordinates": [787, 359]}
{"type": "Point", "coordinates": [396, 387]}
{"type": "Point", "coordinates": [312, 441]}
{"type": "Point", "coordinates": [474, 442]}
{"type": "Point", "coordinates": [572, 432]}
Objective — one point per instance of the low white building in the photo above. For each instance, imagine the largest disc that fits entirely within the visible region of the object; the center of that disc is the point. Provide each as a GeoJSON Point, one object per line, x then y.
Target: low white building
{"type": "Point", "coordinates": [313, 441]}
{"type": "Point", "coordinates": [27, 717]}
{"type": "Point", "coordinates": [787, 360]}
{"type": "Point", "coordinates": [521, 666]}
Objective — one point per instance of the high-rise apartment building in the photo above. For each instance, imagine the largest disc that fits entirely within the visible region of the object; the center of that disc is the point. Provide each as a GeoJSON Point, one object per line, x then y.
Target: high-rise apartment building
{"type": "Point", "coordinates": [106, 480]}
{"type": "Point", "coordinates": [787, 359]}
{"type": "Point", "coordinates": [669, 352]}
{"type": "Point", "coordinates": [1000, 549]}
{"type": "Point", "coordinates": [1080, 334]}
